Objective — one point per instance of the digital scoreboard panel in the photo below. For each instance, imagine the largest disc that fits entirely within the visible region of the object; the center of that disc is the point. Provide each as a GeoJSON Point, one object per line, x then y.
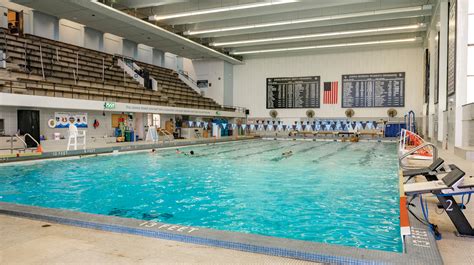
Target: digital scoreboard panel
{"type": "Point", "coordinates": [373, 90]}
{"type": "Point", "coordinates": [293, 92]}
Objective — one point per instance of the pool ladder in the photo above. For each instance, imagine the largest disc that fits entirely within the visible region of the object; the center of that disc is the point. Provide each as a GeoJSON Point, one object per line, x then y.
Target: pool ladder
{"type": "Point", "coordinates": [414, 150]}
{"type": "Point", "coordinates": [16, 138]}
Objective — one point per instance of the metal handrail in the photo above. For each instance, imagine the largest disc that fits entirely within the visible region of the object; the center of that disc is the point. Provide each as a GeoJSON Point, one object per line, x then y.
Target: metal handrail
{"type": "Point", "coordinates": [24, 143]}
{"type": "Point", "coordinates": [186, 75]}
{"type": "Point", "coordinates": [34, 140]}
{"type": "Point", "coordinates": [413, 150]}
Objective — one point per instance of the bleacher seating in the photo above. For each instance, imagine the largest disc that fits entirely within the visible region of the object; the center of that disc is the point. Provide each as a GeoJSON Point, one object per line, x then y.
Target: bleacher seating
{"type": "Point", "coordinates": [40, 66]}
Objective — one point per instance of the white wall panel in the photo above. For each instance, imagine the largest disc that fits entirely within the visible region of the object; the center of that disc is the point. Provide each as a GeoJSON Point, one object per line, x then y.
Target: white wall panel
{"type": "Point", "coordinates": [145, 53]}
{"type": "Point", "coordinates": [45, 25]}
{"type": "Point", "coordinates": [113, 44]}
{"type": "Point", "coordinates": [129, 48]}
{"type": "Point", "coordinates": [213, 72]}
{"type": "Point", "coordinates": [71, 32]}
{"type": "Point", "coordinates": [93, 39]}
{"type": "Point", "coordinates": [250, 78]}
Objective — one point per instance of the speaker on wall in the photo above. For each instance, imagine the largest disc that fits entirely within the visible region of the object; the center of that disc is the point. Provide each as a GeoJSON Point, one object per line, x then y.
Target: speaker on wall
{"type": "Point", "coordinates": [247, 112]}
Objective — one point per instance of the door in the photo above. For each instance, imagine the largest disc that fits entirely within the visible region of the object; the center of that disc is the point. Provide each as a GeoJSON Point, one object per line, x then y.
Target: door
{"type": "Point", "coordinates": [29, 122]}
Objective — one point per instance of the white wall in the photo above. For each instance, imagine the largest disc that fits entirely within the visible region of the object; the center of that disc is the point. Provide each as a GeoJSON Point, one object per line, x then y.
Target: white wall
{"type": "Point", "coordinates": [113, 44]}
{"type": "Point", "coordinates": [213, 71]}
{"type": "Point", "coordinates": [93, 39]}
{"type": "Point", "coordinates": [250, 78]}
{"type": "Point", "coordinates": [145, 53]}
{"type": "Point", "coordinates": [188, 66]}
{"type": "Point", "coordinates": [171, 61]}
{"type": "Point", "coordinates": [158, 57]}
{"type": "Point", "coordinates": [129, 48]}
{"type": "Point", "coordinates": [45, 25]}
{"type": "Point", "coordinates": [71, 32]}
{"type": "Point", "coordinates": [9, 115]}
{"type": "Point", "coordinates": [228, 77]}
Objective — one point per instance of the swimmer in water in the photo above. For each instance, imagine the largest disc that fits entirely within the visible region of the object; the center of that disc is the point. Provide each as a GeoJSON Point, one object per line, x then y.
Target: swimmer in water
{"type": "Point", "coordinates": [153, 151]}
{"type": "Point", "coordinates": [191, 153]}
{"type": "Point", "coordinates": [287, 154]}
{"type": "Point", "coordinates": [178, 151]}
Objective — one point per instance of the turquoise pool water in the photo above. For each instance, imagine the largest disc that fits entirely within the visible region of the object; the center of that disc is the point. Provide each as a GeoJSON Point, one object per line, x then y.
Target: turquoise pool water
{"type": "Point", "coordinates": [329, 192]}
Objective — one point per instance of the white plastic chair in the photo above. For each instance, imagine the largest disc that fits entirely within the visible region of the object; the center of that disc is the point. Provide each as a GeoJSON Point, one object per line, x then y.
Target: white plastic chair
{"type": "Point", "coordinates": [74, 133]}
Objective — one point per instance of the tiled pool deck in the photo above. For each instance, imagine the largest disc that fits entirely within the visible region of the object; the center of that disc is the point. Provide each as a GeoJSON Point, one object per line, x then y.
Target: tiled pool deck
{"type": "Point", "coordinates": [419, 250]}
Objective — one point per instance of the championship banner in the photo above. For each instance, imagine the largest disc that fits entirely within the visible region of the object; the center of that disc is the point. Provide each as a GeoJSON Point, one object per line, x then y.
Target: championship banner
{"type": "Point", "coordinates": [63, 119]}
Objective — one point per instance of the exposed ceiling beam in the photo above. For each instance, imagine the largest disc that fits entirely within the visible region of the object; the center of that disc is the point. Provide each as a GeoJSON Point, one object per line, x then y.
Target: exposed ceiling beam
{"type": "Point", "coordinates": [330, 46]}
{"type": "Point", "coordinates": [325, 35]}
{"type": "Point", "coordinates": [403, 12]}
{"type": "Point", "coordinates": [220, 9]}
{"type": "Point", "coordinates": [300, 6]}
{"type": "Point", "coordinates": [107, 19]}
{"type": "Point", "coordinates": [147, 3]}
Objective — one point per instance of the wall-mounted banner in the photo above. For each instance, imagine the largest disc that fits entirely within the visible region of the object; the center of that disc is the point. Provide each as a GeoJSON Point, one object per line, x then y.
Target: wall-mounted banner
{"type": "Point", "coordinates": [64, 118]}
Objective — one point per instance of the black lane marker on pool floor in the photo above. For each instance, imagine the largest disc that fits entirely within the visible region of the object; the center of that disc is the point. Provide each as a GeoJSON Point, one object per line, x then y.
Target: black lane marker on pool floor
{"type": "Point", "coordinates": [324, 157]}
{"type": "Point", "coordinates": [265, 151]}
{"type": "Point", "coordinates": [279, 158]}
{"type": "Point", "coordinates": [230, 150]}
{"type": "Point", "coordinates": [207, 147]}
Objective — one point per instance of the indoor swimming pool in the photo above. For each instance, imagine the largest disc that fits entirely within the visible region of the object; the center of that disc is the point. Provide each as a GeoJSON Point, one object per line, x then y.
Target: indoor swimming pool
{"type": "Point", "coordinates": [327, 192]}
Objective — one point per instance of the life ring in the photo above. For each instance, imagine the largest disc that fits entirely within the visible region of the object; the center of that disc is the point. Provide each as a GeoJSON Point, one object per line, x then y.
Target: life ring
{"type": "Point", "coordinates": [96, 124]}
{"type": "Point", "coordinates": [52, 123]}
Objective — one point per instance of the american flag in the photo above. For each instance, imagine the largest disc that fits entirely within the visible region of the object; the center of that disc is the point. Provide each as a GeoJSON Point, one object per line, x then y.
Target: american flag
{"type": "Point", "coordinates": [330, 92]}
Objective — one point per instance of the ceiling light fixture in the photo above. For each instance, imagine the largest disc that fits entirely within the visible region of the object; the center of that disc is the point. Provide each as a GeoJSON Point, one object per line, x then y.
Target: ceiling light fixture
{"type": "Point", "coordinates": [314, 19]}
{"type": "Point", "coordinates": [221, 9]}
{"type": "Point", "coordinates": [319, 35]}
{"type": "Point", "coordinates": [350, 44]}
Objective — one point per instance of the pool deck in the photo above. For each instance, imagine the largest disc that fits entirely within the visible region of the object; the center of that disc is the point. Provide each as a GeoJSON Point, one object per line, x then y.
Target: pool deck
{"type": "Point", "coordinates": [25, 241]}
{"type": "Point", "coordinates": [453, 249]}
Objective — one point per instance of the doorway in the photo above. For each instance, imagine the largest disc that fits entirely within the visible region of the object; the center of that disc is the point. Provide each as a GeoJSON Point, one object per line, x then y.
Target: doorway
{"type": "Point", "coordinates": [29, 122]}
{"type": "Point", "coordinates": [15, 22]}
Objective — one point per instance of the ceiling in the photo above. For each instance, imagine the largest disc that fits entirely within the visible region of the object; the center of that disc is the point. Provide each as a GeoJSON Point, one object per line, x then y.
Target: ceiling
{"type": "Point", "coordinates": [107, 19]}
{"type": "Point", "coordinates": [241, 28]}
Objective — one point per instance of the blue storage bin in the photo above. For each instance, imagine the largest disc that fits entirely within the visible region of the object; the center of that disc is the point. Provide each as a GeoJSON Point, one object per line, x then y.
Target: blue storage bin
{"type": "Point", "coordinates": [393, 129]}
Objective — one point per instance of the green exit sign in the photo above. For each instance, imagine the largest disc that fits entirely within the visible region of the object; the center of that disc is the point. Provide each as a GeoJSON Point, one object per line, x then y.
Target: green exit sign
{"type": "Point", "coordinates": [109, 105]}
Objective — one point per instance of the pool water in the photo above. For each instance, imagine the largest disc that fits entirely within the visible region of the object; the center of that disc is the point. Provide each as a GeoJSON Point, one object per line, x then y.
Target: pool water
{"type": "Point", "coordinates": [328, 192]}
